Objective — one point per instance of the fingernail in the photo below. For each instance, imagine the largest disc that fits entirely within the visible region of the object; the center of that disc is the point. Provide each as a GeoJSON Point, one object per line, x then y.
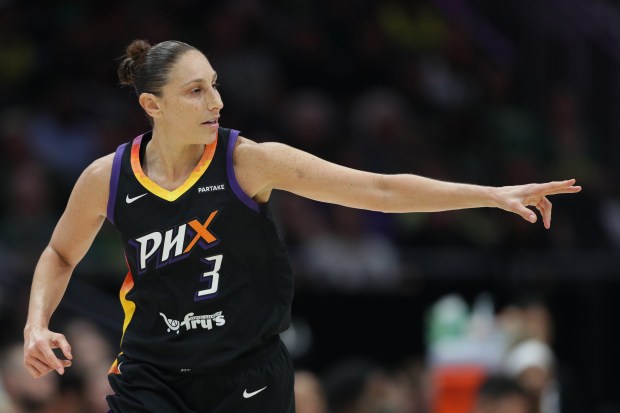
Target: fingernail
{"type": "Point", "coordinates": [532, 218]}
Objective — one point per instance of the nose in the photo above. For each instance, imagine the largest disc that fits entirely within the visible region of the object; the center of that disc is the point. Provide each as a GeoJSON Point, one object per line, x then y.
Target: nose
{"type": "Point", "coordinates": [215, 100]}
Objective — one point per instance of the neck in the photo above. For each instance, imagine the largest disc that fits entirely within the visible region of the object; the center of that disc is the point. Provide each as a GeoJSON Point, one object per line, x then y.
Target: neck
{"type": "Point", "coordinates": [169, 159]}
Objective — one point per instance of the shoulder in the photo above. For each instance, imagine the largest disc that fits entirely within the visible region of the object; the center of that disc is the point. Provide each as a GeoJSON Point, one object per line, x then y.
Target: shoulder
{"type": "Point", "coordinates": [247, 151]}
{"type": "Point", "coordinates": [245, 147]}
{"type": "Point", "coordinates": [249, 154]}
{"type": "Point", "coordinates": [262, 159]}
{"type": "Point", "coordinates": [99, 171]}
{"type": "Point", "coordinates": [93, 186]}
{"type": "Point", "coordinates": [253, 165]}
{"type": "Point", "coordinates": [90, 192]}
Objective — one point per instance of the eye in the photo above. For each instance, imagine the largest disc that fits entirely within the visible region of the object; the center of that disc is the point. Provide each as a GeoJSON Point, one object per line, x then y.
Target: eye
{"type": "Point", "coordinates": [196, 91]}
{"type": "Point", "coordinates": [216, 85]}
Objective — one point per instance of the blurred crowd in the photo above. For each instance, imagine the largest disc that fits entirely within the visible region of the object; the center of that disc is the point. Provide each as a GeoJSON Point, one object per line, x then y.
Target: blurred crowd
{"type": "Point", "coordinates": [479, 361]}
{"type": "Point", "coordinates": [444, 89]}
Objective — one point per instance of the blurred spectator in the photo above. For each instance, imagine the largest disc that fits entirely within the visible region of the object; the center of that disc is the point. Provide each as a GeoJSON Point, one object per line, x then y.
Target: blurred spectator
{"type": "Point", "coordinates": [528, 319]}
{"type": "Point", "coordinates": [25, 228]}
{"type": "Point", "coordinates": [498, 394]}
{"type": "Point", "coordinates": [532, 364]}
{"type": "Point", "coordinates": [457, 336]}
{"type": "Point", "coordinates": [30, 218]}
{"type": "Point", "coordinates": [13, 143]}
{"type": "Point", "coordinates": [413, 25]}
{"type": "Point", "coordinates": [309, 118]}
{"type": "Point", "coordinates": [309, 395]}
{"type": "Point", "coordinates": [62, 133]}
{"type": "Point", "coordinates": [299, 219]}
{"type": "Point", "coordinates": [361, 386]}
{"type": "Point", "coordinates": [6, 405]}
{"type": "Point", "coordinates": [443, 88]}
{"type": "Point", "coordinates": [387, 137]}
{"type": "Point", "coordinates": [17, 51]}
{"type": "Point", "coordinates": [573, 140]}
{"type": "Point", "coordinates": [28, 395]}
{"type": "Point", "coordinates": [350, 259]}
{"type": "Point", "coordinates": [409, 377]}
{"type": "Point", "coordinates": [345, 383]}
{"type": "Point", "coordinates": [610, 216]}
{"type": "Point", "coordinates": [92, 358]}
{"type": "Point", "coordinates": [510, 128]}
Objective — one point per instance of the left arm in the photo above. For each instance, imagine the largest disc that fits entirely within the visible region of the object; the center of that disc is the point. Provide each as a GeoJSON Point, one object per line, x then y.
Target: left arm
{"type": "Point", "coordinates": [263, 167]}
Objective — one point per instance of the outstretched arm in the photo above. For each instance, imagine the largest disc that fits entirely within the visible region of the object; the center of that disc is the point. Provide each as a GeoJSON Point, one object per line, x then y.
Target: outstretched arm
{"type": "Point", "coordinates": [72, 237]}
{"type": "Point", "coordinates": [263, 167]}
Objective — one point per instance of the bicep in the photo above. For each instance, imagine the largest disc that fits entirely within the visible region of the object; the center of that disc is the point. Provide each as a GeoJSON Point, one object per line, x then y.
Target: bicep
{"type": "Point", "coordinates": [306, 175]}
{"type": "Point", "coordinates": [84, 214]}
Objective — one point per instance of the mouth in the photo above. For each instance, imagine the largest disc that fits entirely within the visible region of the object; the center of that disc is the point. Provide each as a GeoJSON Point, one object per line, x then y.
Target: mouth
{"type": "Point", "coordinates": [211, 122]}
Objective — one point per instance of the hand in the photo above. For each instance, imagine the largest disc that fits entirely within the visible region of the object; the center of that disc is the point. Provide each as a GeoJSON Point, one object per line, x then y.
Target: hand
{"type": "Point", "coordinates": [39, 357]}
{"type": "Point", "coordinates": [517, 198]}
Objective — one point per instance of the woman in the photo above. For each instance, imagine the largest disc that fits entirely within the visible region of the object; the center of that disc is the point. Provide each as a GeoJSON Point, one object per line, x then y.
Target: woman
{"type": "Point", "coordinates": [209, 284]}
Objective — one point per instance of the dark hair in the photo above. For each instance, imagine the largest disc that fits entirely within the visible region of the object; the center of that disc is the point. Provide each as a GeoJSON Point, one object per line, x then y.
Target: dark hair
{"type": "Point", "coordinates": [496, 387]}
{"type": "Point", "coordinates": [146, 67]}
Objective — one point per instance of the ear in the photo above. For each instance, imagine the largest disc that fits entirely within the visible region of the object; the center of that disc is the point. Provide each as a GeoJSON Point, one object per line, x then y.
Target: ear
{"type": "Point", "coordinates": [150, 104]}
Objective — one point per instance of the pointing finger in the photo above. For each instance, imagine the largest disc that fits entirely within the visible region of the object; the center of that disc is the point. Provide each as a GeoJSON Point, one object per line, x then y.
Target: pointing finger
{"type": "Point", "coordinates": [548, 208]}
{"type": "Point", "coordinates": [567, 190]}
{"type": "Point", "coordinates": [555, 185]}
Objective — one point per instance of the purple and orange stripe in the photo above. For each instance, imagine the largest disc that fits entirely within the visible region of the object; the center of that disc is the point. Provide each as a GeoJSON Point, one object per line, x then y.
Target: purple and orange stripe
{"type": "Point", "coordinates": [129, 308]}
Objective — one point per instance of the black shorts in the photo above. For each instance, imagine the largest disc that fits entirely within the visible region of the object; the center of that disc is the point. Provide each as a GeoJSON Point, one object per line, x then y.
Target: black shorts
{"type": "Point", "coordinates": [261, 383]}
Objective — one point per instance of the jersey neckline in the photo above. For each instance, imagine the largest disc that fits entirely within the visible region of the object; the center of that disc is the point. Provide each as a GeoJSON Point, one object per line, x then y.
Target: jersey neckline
{"type": "Point", "coordinates": [154, 188]}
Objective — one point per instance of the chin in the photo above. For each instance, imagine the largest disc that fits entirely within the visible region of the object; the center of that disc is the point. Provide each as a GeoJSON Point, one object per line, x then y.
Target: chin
{"type": "Point", "coordinates": [208, 137]}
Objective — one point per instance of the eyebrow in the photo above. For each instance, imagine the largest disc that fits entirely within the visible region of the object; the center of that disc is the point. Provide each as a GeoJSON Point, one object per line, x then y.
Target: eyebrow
{"type": "Point", "coordinates": [200, 79]}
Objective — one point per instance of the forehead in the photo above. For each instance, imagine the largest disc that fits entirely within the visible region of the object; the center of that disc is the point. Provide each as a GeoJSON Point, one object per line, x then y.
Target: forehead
{"type": "Point", "coordinates": [191, 65]}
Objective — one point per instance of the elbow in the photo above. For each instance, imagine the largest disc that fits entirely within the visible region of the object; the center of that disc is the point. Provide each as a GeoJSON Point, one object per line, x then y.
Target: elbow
{"type": "Point", "coordinates": [61, 259]}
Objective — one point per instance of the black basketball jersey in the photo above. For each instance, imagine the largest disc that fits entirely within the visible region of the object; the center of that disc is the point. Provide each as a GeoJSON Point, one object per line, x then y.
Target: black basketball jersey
{"type": "Point", "coordinates": [209, 278]}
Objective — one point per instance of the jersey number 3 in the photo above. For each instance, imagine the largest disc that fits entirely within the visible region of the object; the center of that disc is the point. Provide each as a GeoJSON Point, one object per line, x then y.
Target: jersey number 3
{"type": "Point", "coordinates": [212, 278]}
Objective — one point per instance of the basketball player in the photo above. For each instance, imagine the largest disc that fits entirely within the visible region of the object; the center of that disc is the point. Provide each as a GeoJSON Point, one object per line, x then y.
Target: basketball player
{"type": "Point", "coordinates": [209, 285]}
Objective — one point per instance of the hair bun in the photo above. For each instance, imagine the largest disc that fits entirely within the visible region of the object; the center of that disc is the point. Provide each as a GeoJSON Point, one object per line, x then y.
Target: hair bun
{"type": "Point", "coordinates": [137, 49]}
{"type": "Point", "coordinates": [134, 55]}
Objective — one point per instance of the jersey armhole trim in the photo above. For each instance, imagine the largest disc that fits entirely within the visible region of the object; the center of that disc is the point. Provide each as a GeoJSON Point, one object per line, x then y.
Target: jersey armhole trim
{"type": "Point", "coordinates": [230, 171]}
{"type": "Point", "coordinates": [116, 172]}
